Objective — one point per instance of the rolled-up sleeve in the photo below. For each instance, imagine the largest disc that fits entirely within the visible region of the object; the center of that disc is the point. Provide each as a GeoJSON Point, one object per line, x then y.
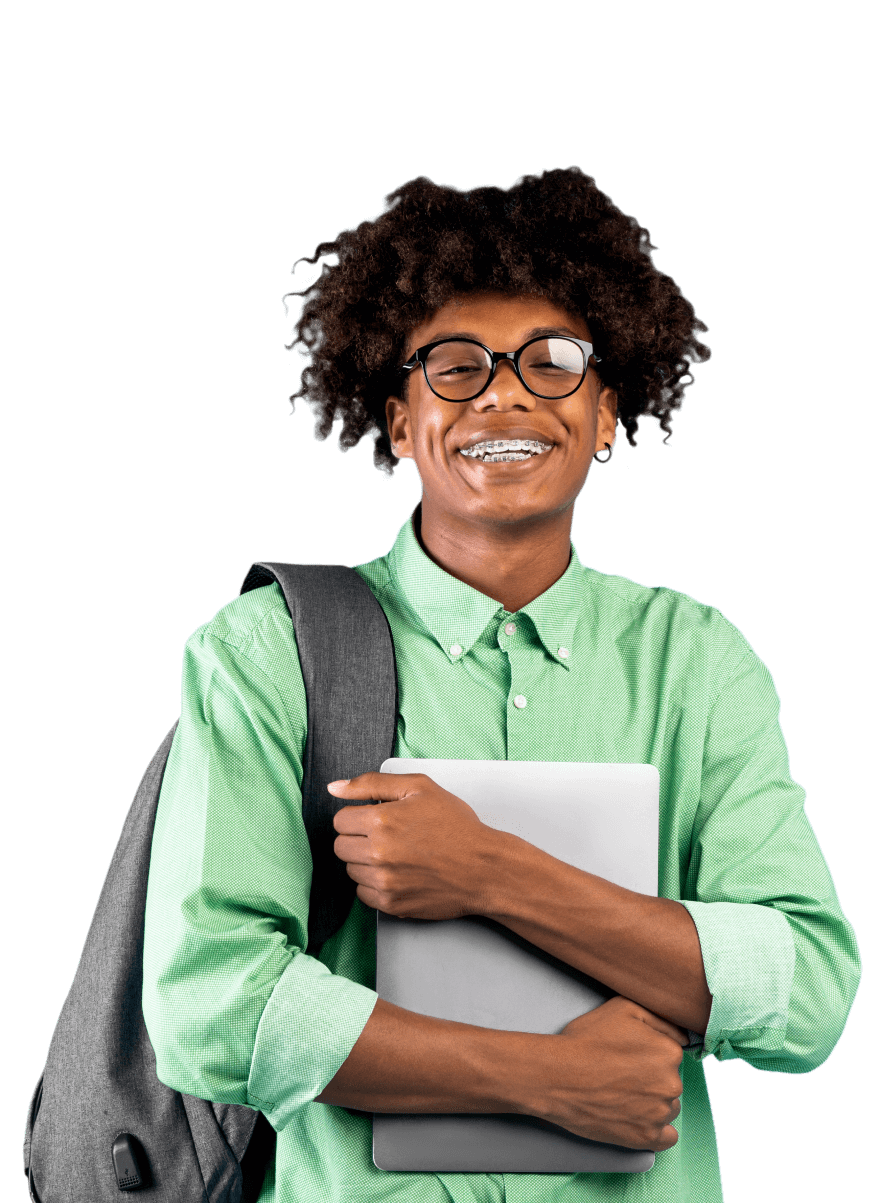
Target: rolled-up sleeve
{"type": "Point", "coordinates": [236, 1011]}
{"type": "Point", "coordinates": [780, 958]}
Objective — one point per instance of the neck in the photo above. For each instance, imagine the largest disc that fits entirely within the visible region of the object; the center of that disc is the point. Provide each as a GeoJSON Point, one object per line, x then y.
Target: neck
{"type": "Point", "coordinates": [511, 570]}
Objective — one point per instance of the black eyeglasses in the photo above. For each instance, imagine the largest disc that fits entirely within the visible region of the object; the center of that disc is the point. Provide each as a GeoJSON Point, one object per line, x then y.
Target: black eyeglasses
{"type": "Point", "coordinates": [461, 369]}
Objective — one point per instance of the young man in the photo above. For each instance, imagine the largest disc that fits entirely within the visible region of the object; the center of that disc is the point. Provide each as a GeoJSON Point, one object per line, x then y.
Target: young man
{"type": "Point", "coordinates": [497, 339]}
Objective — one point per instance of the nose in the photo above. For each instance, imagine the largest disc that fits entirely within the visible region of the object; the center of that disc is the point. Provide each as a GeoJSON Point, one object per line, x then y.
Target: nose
{"type": "Point", "coordinates": [512, 378]}
{"type": "Point", "coordinates": [509, 387]}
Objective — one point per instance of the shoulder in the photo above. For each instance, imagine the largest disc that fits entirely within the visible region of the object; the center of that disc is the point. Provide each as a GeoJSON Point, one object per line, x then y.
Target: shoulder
{"type": "Point", "coordinates": [664, 616]}
{"type": "Point", "coordinates": [246, 619]}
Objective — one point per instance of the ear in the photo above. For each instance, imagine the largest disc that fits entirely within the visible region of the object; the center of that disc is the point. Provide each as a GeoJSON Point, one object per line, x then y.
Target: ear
{"type": "Point", "coordinates": [398, 425]}
{"type": "Point", "coordinates": [605, 429]}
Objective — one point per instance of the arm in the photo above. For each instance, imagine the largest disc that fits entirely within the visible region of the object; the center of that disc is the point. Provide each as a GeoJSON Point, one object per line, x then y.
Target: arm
{"type": "Point", "coordinates": [646, 949]}
{"type": "Point", "coordinates": [611, 1075]}
{"type": "Point", "coordinates": [403, 1062]}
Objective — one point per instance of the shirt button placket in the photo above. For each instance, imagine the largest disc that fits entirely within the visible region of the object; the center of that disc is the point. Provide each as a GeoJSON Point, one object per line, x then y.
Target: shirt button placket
{"type": "Point", "coordinates": [520, 700]}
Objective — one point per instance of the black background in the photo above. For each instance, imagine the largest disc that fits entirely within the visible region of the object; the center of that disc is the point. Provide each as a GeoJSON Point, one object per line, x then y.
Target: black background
{"type": "Point", "coordinates": [171, 463]}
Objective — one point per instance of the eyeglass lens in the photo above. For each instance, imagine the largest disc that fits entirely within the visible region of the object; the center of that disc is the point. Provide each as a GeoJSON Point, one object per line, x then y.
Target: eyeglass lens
{"type": "Point", "coordinates": [551, 367]}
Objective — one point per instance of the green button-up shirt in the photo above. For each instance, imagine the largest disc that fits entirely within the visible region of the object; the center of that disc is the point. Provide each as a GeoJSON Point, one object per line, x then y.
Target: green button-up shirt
{"type": "Point", "coordinates": [611, 671]}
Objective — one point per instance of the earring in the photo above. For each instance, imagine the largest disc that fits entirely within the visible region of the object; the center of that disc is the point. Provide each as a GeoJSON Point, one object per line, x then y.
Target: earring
{"type": "Point", "coordinates": [609, 454]}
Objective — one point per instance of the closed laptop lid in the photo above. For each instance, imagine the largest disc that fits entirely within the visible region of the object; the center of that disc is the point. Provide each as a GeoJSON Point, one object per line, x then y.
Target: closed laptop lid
{"type": "Point", "coordinates": [603, 818]}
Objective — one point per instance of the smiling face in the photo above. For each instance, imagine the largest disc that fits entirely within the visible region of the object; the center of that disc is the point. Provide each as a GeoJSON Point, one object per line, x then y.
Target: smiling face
{"type": "Point", "coordinates": [461, 487]}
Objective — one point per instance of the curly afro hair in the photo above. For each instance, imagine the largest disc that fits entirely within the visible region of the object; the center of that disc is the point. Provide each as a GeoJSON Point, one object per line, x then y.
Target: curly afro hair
{"type": "Point", "coordinates": [554, 236]}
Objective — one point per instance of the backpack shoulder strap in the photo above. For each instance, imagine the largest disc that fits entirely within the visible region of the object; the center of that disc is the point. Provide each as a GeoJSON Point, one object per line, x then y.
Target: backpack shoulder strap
{"type": "Point", "coordinates": [347, 658]}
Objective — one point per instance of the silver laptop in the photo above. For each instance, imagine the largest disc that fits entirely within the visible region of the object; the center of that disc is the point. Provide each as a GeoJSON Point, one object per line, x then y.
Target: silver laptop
{"type": "Point", "coordinates": [603, 818]}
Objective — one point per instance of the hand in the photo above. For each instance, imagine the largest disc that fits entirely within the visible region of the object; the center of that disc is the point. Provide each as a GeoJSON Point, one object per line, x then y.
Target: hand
{"type": "Point", "coordinates": [421, 854]}
{"type": "Point", "coordinates": [616, 1077]}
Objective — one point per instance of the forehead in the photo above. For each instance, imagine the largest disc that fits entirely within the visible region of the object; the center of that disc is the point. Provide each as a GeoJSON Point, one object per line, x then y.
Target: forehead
{"type": "Point", "coordinates": [500, 321]}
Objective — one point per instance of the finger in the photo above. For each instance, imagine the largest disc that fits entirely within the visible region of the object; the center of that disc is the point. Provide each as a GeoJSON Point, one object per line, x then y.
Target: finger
{"type": "Point", "coordinates": [664, 1026]}
{"type": "Point", "coordinates": [374, 785]}
{"type": "Point", "coordinates": [668, 1137]}
{"type": "Point", "coordinates": [355, 820]}
{"type": "Point", "coordinates": [366, 784]}
{"type": "Point", "coordinates": [354, 849]}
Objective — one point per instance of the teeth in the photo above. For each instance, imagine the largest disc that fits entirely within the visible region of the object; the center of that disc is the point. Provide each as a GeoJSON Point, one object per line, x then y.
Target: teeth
{"type": "Point", "coordinates": [498, 451]}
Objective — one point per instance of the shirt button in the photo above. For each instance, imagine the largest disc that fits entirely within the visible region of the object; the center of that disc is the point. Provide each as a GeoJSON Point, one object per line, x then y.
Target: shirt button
{"type": "Point", "coordinates": [520, 701]}
{"type": "Point", "coordinates": [564, 652]}
{"type": "Point", "coordinates": [455, 649]}
{"type": "Point", "coordinates": [510, 628]}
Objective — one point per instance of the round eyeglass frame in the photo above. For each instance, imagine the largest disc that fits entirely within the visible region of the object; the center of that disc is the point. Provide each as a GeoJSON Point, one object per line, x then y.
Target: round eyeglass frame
{"type": "Point", "coordinates": [420, 357]}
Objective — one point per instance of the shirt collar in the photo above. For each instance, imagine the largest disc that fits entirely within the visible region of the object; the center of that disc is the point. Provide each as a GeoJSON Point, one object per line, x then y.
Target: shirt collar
{"type": "Point", "coordinates": [456, 614]}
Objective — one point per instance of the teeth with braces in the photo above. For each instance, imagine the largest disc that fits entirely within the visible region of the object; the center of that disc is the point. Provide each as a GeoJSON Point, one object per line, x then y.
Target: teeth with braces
{"type": "Point", "coordinates": [500, 451]}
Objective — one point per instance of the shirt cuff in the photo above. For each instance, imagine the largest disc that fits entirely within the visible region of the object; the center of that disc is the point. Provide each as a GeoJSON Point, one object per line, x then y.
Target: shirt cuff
{"type": "Point", "coordinates": [310, 1024]}
{"type": "Point", "coordinates": [749, 955]}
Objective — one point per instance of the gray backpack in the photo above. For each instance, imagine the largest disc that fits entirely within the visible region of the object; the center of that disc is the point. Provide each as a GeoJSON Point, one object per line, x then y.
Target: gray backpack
{"type": "Point", "coordinates": [100, 1121]}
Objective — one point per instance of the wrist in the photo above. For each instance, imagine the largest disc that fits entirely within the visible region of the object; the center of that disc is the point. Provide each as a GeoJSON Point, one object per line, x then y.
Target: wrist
{"type": "Point", "coordinates": [515, 1070]}
{"type": "Point", "coordinates": [508, 869]}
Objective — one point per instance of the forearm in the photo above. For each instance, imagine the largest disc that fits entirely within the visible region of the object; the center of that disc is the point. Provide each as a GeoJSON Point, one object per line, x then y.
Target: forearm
{"type": "Point", "coordinates": [410, 1063]}
{"type": "Point", "coordinates": [646, 949]}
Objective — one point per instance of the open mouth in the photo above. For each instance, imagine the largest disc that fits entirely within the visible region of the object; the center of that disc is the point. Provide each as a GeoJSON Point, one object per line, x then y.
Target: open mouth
{"type": "Point", "coordinates": [504, 451]}
{"type": "Point", "coordinates": [508, 458]}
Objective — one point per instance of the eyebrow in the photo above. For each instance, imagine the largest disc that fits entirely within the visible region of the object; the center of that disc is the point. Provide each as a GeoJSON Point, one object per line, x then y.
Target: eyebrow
{"type": "Point", "coordinates": [536, 332]}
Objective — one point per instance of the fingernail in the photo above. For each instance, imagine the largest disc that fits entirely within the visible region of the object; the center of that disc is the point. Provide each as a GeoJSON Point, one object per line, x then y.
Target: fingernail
{"type": "Point", "coordinates": [335, 785]}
